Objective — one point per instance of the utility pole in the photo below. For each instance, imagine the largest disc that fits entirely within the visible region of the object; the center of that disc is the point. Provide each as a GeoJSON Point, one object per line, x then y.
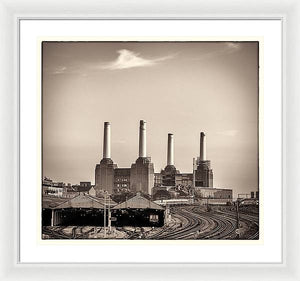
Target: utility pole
{"type": "Point", "coordinates": [194, 176]}
{"type": "Point", "coordinates": [207, 203]}
{"type": "Point", "coordinates": [105, 214]}
{"type": "Point", "coordinates": [167, 214]}
{"type": "Point", "coordinates": [237, 219]}
{"type": "Point", "coordinates": [109, 215]}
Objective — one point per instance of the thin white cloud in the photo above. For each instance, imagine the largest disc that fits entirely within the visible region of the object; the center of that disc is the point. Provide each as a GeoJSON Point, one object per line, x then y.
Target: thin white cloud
{"type": "Point", "coordinates": [228, 133]}
{"type": "Point", "coordinates": [59, 70]}
{"type": "Point", "coordinates": [228, 48]}
{"type": "Point", "coordinates": [232, 47]}
{"type": "Point", "coordinates": [128, 59]}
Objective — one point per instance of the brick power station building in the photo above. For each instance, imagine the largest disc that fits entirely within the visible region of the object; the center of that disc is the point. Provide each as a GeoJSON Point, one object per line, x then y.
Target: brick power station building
{"type": "Point", "coordinates": [140, 177]}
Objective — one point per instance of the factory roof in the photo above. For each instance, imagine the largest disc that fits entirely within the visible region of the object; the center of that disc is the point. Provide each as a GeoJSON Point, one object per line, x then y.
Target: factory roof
{"type": "Point", "coordinates": [52, 201]}
{"type": "Point", "coordinates": [85, 201]}
{"type": "Point", "coordinates": [138, 202]}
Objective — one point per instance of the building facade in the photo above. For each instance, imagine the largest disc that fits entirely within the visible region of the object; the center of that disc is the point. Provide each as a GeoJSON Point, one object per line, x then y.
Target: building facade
{"type": "Point", "coordinates": [50, 187]}
{"type": "Point", "coordinates": [202, 175]}
{"type": "Point", "coordinates": [138, 178]}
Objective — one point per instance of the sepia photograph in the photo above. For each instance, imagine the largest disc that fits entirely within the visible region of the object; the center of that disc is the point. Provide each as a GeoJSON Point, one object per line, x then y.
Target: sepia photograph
{"type": "Point", "coordinates": [150, 140]}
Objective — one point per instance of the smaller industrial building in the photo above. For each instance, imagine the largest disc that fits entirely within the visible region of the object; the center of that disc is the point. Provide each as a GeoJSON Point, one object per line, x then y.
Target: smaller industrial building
{"type": "Point", "coordinates": [62, 190]}
{"type": "Point", "coordinates": [86, 210]}
{"type": "Point", "coordinates": [217, 196]}
{"type": "Point", "coordinates": [138, 211]}
{"type": "Point", "coordinates": [49, 187]}
{"type": "Point", "coordinates": [80, 210]}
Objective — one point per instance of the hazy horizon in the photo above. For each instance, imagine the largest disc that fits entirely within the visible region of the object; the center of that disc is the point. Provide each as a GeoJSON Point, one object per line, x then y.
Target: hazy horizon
{"type": "Point", "coordinates": [176, 87]}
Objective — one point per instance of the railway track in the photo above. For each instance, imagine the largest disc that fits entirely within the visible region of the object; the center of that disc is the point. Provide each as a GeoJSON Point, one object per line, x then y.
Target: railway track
{"type": "Point", "coordinates": [56, 233]}
{"type": "Point", "coordinates": [224, 227]}
{"type": "Point", "coordinates": [207, 225]}
{"type": "Point", "coordinates": [190, 226]}
{"type": "Point", "coordinates": [252, 222]}
{"type": "Point", "coordinates": [217, 225]}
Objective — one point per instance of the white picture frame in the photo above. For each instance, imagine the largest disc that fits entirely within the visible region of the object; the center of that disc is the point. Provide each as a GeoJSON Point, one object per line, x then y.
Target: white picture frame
{"type": "Point", "coordinates": [12, 270]}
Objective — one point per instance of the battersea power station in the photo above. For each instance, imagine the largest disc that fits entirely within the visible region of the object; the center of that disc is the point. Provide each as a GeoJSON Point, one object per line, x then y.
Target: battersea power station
{"type": "Point", "coordinates": [140, 177]}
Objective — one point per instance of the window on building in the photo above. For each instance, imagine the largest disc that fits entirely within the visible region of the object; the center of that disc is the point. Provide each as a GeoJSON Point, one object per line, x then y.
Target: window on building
{"type": "Point", "coordinates": [153, 218]}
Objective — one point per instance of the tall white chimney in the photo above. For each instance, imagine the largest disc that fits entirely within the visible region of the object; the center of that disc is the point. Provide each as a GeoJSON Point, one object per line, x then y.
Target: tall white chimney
{"type": "Point", "coordinates": [142, 140]}
{"type": "Point", "coordinates": [202, 147]}
{"type": "Point", "coordinates": [106, 140]}
{"type": "Point", "coordinates": [170, 156]}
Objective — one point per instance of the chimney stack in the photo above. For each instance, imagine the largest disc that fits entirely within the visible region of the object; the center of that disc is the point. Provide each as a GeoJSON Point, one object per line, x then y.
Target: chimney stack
{"type": "Point", "coordinates": [142, 140]}
{"type": "Point", "coordinates": [106, 140]}
{"type": "Point", "coordinates": [202, 147]}
{"type": "Point", "coordinates": [170, 156]}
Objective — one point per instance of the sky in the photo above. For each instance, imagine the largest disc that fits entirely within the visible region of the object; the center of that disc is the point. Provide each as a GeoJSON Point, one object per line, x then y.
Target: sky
{"type": "Point", "coordinates": [177, 87]}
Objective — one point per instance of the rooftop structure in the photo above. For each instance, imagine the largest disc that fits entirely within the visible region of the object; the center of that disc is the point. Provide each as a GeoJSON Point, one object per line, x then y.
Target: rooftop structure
{"type": "Point", "coordinates": [138, 202]}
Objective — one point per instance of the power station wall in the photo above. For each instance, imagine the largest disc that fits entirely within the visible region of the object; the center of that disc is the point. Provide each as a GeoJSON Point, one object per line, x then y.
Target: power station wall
{"type": "Point", "coordinates": [121, 179]}
{"type": "Point", "coordinates": [97, 177]}
{"type": "Point", "coordinates": [168, 175]}
{"type": "Point", "coordinates": [104, 175]}
{"type": "Point", "coordinates": [138, 178]}
{"type": "Point", "coordinates": [157, 179]}
{"type": "Point", "coordinates": [203, 174]}
{"type": "Point", "coordinates": [142, 175]}
{"type": "Point", "coordinates": [184, 179]}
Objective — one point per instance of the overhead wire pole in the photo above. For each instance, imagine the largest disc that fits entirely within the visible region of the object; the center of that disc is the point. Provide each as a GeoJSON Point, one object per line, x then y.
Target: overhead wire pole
{"type": "Point", "coordinates": [238, 217]}
{"type": "Point", "coordinates": [194, 176]}
{"type": "Point", "coordinates": [237, 220]}
{"type": "Point", "coordinates": [109, 215]}
{"type": "Point", "coordinates": [105, 214]}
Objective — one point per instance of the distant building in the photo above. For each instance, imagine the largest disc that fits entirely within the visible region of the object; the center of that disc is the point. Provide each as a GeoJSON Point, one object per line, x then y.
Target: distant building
{"type": "Point", "coordinates": [254, 194]}
{"type": "Point", "coordinates": [52, 188]}
{"type": "Point", "coordinates": [85, 183]}
{"type": "Point", "coordinates": [217, 193]}
{"type": "Point", "coordinates": [85, 187]}
{"type": "Point", "coordinates": [184, 179]}
{"type": "Point", "coordinates": [157, 179]}
{"type": "Point", "coordinates": [213, 195]}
